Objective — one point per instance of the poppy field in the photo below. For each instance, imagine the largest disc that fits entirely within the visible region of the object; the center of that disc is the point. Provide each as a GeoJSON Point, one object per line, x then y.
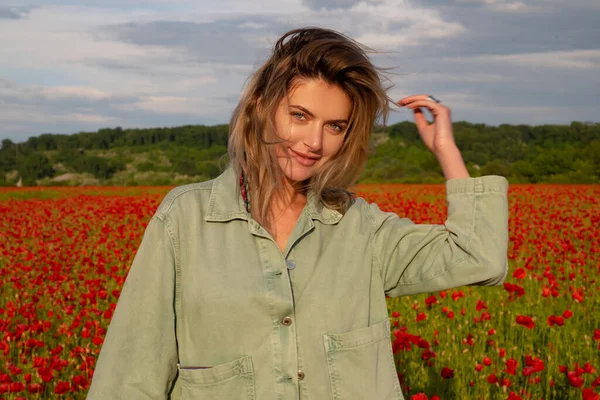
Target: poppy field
{"type": "Point", "coordinates": [65, 253]}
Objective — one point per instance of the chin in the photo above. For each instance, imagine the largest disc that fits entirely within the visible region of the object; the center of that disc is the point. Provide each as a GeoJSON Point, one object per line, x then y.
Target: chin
{"type": "Point", "coordinates": [297, 173]}
{"type": "Point", "coordinates": [298, 176]}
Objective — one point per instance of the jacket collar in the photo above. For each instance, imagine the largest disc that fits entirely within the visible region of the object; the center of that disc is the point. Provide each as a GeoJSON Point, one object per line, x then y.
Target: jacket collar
{"type": "Point", "coordinates": [226, 202]}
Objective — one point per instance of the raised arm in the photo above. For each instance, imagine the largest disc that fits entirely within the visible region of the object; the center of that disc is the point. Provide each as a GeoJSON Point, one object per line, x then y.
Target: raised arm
{"type": "Point", "coordinates": [470, 247]}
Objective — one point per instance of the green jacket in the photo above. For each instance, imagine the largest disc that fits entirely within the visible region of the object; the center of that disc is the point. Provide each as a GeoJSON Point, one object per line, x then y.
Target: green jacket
{"type": "Point", "coordinates": [212, 309]}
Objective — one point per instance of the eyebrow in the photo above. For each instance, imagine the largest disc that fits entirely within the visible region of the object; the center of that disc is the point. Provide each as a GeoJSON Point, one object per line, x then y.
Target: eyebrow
{"type": "Point", "coordinates": [304, 110]}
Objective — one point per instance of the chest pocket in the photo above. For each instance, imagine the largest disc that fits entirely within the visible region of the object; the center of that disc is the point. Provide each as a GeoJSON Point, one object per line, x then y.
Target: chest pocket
{"type": "Point", "coordinates": [233, 380]}
{"type": "Point", "coordinates": [361, 364]}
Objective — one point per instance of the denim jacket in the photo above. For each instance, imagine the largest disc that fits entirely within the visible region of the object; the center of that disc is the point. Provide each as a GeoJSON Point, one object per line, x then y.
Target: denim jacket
{"type": "Point", "coordinates": [213, 309]}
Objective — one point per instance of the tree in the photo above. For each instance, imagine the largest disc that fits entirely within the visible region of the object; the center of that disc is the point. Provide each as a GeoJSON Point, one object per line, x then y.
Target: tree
{"type": "Point", "coordinates": [34, 166]}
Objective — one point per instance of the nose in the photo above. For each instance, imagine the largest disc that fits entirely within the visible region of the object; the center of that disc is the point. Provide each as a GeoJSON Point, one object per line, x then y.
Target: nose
{"type": "Point", "coordinates": [314, 138]}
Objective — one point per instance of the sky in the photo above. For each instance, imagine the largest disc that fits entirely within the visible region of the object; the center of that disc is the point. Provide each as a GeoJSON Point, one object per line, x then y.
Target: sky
{"type": "Point", "coordinates": [68, 66]}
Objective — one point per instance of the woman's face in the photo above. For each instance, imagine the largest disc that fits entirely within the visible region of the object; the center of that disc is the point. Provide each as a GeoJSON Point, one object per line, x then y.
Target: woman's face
{"type": "Point", "coordinates": [312, 121]}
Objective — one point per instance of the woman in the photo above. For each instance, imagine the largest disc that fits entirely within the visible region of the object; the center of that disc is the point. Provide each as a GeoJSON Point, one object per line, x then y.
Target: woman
{"type": "Point", "coordinates": [269, 282]}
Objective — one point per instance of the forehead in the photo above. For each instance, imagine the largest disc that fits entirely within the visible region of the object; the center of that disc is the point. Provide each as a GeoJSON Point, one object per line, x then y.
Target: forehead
{"type": "Point", "coordinates": [322, 99]}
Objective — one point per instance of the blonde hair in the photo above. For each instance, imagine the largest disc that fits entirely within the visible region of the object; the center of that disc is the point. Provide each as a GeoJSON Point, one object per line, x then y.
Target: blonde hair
{"type": "Point", "coordinates": [307, 53]}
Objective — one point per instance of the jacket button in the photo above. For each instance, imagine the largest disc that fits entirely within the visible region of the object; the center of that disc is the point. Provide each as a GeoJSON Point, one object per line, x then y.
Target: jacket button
{"type": "Point", "coordinates": [300, 375]}
{"type": "Point", "coordinates": [290, 264]}
{"type": "Point", "coordinates": [287, 321]}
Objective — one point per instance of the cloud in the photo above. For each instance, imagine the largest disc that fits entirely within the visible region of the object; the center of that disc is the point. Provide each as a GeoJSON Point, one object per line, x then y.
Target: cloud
{"type": "Point", "coordinates": [58, 100]}
{"type": "Point", "coordinates": [7, 13]}
{"type": "Point", "coordinates": [567, 60]}
{"type": "Point", "coordinates": [174, 105]}
{"type": "Point", "coordinates": [70, 66]}
{"type": "Point", "coordinates": [224, 41]}
{"type": "Point", "coordinates": [542, 27]}
{"type": "Point", "coordinates": [508, 6]}
{"type": "Point", "coordinates": [498, 5]}
{"type": "Point", "coordinates": [12, 13]}
{"type": "Point", "coordinates": [73, 109]}
{"type": "Point", "coordinates": [66, 92]}
{"type": "Point", "coordinates": [317, 5]}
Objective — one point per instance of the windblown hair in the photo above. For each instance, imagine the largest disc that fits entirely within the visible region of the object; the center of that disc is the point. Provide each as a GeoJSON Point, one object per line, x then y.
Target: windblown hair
{"type": "Point", "coordinates": [308, 53]}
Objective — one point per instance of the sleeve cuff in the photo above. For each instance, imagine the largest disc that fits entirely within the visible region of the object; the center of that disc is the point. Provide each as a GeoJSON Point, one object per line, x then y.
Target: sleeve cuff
{"type": "Point", "coordinates": [482, 184]}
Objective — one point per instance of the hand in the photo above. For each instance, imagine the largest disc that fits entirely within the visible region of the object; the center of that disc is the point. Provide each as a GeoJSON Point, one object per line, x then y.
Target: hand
{"type": "Point", "coordinates": [437, 136]}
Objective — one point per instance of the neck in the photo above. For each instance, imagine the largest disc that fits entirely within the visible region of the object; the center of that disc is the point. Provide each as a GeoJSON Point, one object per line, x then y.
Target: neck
{"type": "Point", "coordinates": [288, 196]}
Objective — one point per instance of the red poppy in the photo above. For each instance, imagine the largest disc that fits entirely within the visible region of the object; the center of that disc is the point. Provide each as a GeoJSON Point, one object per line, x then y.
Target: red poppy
{"type": "Point", "coordinates": [447, 373]}
{"type": "Point", "coordinates": [421, 317]}
{"type": "Point", "coordinates": [511, 366]}
{"type": "Point", "coordinates": [526, 321]}
{"type": "Point", "coordinates": [519, 273]}
{"type": "Point", "coordinates": [431, 300]}
{"type": "Point", "coordinates": [555, 320]}
{"type": "Point", "coordinates": [575, 381]}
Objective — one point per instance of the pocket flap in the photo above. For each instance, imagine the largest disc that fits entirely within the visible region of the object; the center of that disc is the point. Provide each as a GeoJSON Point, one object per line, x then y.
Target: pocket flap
{"type": "Point", "coordinates": [360, 337]}
{"type": "Point", "coordinates": [218, 373]}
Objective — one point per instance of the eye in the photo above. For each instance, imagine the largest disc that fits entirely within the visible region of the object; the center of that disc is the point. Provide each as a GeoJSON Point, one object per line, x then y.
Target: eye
{"type": "Point", "coordinates": [298, 115]}
{"type": "Point", "coordinates": [337, 127]}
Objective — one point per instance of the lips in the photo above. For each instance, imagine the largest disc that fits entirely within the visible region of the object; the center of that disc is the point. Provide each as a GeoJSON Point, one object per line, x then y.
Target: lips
{"type": "Point", "coordinates": [304, 159]}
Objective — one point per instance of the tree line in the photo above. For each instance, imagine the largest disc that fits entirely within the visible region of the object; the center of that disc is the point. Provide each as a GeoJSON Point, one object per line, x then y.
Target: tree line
{"type": "Point", "coordinates": [522, 153]}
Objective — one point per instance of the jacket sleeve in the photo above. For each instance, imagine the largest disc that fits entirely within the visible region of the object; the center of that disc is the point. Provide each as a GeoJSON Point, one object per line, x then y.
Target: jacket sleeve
{"type": "Point", "coordinates": [470, 248]}
{"type": "Point", "coordinates": [138, 359]}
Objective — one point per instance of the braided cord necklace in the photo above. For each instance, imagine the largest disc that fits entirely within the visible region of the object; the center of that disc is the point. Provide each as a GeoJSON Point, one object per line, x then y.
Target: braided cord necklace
{"type": "Point", "coordinates": [245, 191]}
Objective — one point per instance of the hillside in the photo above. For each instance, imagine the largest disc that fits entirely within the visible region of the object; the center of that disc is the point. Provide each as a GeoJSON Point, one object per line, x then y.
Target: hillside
{"type": "Point", "coordinates": [178, 155]}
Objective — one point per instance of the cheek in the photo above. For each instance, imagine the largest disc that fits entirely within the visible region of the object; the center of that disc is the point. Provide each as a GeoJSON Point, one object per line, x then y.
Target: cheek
{"type": "Point", "coordinates": [280, 149]}
{"type": "Point", "coordinates": [287, 134]}
{"type": "Point", "coordinates": [284, 128]}
{"type": "Point", "coordinates": [333, 145]}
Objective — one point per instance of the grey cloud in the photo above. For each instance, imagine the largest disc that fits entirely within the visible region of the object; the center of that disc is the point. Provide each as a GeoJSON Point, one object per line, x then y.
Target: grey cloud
{"type": "Point", "coordinates": [22, 96]}
{"type": "Point", "coordinates": [493, 90]}
{"type": "Point", "coordinates": [52, 111]}
{"type": "Point", "coordinates": [491, 32]}
{"type": "Point", "coordinates": [11, 13]}
{"type": "Point", "coordinates": [232, 41]}
{"type": "Point", "coordinates": [28, 97]}
{"type": "Point", "coordinates": [6, 84]}
{"type": "Point", "coordinates": [139, 67]}
{"type": "Point", "coordinates": [530, 5]}
{"type": "Point", "coordinates": [497, 92]}
{"type": "Point", "coordinates": [160, 67]}
{"type": "Point", "coordinates": [113, 4]}
{"type": "Point", "coordinates": [19, 132]}
{"type": "Point", "coordinates": [330, 4]}
{"type": "Point", "coordinates": [317, 5]}
{"type": "Point", "coordinates": [515, 85]}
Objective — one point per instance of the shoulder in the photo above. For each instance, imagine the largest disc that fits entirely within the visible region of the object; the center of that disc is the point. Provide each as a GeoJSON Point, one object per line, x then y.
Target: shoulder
{"type": "Point", "coordinates": [214, 200]}
{"type": "Point", "coordinates": [372, 217]}
{"type": "Point", "coordinates": [367, 213]}
{"type": "Point", "coordinates": [185, 197]}
{"type": "Point", "coordinates": [368, 210]}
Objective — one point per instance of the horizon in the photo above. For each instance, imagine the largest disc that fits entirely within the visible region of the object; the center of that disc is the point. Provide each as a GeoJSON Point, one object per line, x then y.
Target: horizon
{"type": "Point", "coordinates": [587, 123]}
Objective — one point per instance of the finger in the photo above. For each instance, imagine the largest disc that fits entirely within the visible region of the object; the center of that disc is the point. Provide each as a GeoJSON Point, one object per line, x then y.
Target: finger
{"type": "Point", "coordinates": [409, 99]}
{"type": "Point", "coordinates": [420, 119]}
{"type": "Point", "coordinates": [435, 108]}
